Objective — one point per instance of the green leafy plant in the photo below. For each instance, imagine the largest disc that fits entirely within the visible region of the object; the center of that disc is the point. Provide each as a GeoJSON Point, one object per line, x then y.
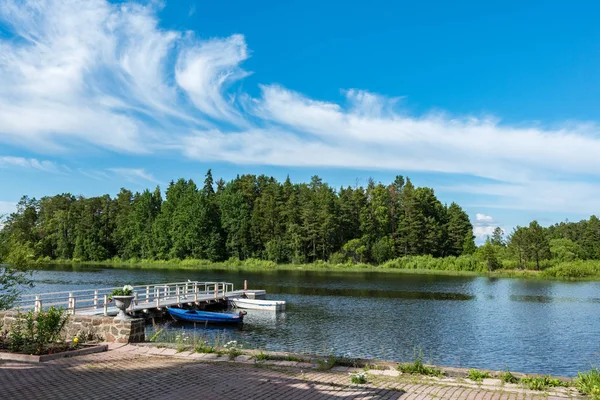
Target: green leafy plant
{"type": "Point", "coordinates": [508, 377]}
{"type": "Point", "coordinates": [233, 348]}
{"type": "Point", "coordinates": [203, 347]}
{"type": "Point", "coordinates": [33, 332]}
{"type": "Point", "coordinates": [542, 382]}
{"type": "Point", "coordinates": [359, 378]}
{"type": "Point", "coordinates": [478, 376]}
{"type": "Point", "coordinates": [126, 290]}
{"type": "Point", "coordinates": [589, 383]}
{"type": "Point", "coordinates": [418, 368]}
{"type": "Point", "coordinates": [262, 357]}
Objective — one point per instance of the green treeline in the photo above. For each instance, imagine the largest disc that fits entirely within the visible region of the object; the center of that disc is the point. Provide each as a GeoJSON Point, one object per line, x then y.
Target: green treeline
{"type": "Point", "coordinates": [254, 218]}
{"type": "Point", "coordinates": [248, 217]}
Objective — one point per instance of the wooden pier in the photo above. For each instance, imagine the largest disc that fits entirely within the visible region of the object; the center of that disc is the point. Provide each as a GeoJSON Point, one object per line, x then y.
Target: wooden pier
{"type": "Point", "coordinates": [148, 299]}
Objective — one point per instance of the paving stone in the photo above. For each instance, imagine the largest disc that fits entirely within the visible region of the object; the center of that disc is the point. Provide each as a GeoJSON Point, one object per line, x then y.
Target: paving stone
{"type": "Point", "coordinates": [124, 374]}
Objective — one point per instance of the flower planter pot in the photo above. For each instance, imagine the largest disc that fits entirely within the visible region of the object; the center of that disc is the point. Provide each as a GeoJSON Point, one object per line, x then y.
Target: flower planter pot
{"type": "Point", "coordinates": [122, 302]}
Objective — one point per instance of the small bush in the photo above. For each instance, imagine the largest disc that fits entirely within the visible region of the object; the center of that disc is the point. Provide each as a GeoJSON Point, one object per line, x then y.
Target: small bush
{"type": "Point", "coordinates": [478, 376]}
{"type": "Point", "coordinates": [589, 383]}
{"type": "Point", "coordinates": [33, 332]}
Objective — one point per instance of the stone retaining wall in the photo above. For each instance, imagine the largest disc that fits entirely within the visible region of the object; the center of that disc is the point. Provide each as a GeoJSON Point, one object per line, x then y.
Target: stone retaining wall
{"type": "Point", "coordinates": [94, 327]}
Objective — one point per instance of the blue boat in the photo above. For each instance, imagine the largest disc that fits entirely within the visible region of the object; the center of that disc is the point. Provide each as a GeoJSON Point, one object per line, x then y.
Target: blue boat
{"type": "Point", "coordinates": [206, 316]}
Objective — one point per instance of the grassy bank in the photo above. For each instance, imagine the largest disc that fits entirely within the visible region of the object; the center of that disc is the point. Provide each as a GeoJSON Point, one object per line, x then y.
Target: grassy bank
{"type": "Point", "coordinates": [456, 266]}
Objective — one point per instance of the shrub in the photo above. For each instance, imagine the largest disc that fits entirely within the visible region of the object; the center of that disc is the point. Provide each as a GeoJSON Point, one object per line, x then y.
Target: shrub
{"type": "Point", "coordinates": [33, 332]}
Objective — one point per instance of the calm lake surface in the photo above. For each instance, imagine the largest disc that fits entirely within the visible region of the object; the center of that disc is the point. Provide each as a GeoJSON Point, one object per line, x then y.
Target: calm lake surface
{"type": "Point", "coordinates": [526, 325]}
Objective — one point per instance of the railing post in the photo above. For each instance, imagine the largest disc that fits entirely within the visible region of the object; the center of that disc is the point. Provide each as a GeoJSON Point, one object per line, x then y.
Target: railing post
{"type": "Point", "coordinates": [135, 300]}
{"type": "Point", "coordinates": [74, 304]}
{"type": "Point", "coordinates": [38, 304]}
{"type": "Point", "coordinates": [166, 291]}
{"type": "Point", "coordinates": [216, 290]}
{"type": "Point", "coordinates": [71, 308]}
{"type": "Point", "coordinates": [178, 293]}
{"type": "Point", "coordinates": [105, 305]}
{"type": "Point", "coordinates": [195, 291]}
{"type": "Point", "coordinates": [245, 284]}
{"type": "Point", "coordinates": [96, 298]}
{"type": "Point", "coordinates": [147, 294]}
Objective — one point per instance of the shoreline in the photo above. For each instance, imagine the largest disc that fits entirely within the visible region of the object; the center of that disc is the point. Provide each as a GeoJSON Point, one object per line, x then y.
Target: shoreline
{"type": "Point", "coordinates": [259, 265]}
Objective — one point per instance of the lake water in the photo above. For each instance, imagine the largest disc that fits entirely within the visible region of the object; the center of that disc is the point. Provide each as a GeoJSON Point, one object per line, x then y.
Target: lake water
{"type": "Point", "coordinates": [526, 325]}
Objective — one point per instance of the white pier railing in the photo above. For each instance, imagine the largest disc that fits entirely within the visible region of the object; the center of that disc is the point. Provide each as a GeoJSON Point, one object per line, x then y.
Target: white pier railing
{"type": "Point", "coordinates": [95, 301]}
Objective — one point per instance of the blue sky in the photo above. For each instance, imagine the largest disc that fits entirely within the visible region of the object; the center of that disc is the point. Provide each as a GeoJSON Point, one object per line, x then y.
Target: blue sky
{"type": "Point", "coordinates": [493, 104]}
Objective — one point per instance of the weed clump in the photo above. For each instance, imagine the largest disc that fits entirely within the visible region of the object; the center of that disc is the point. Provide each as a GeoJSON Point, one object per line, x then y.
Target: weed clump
{"type": "Point", "coordinates": [542, 382]}
{"type": "Point", "coordinates": [508, 377]}
{"type": "Point", "coordinates": [589, 383]}
{"type": "Point", "coordinates": [478, 376]}
{"type": "Point", "coordinates": [418, 368]}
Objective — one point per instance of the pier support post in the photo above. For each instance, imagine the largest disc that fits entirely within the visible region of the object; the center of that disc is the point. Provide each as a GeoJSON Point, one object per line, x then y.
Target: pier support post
{"type": "Point", "coordinates": [38, 304]}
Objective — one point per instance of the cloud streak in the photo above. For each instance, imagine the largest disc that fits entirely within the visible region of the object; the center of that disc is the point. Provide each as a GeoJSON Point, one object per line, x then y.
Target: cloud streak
{"type": "Point", "coordinates": [93, 73]}
{"type": "Point", "coordinates": [28, 163]}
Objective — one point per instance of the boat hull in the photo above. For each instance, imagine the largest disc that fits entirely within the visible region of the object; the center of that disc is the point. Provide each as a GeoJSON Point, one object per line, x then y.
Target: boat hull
{"type": "Point", "coordinates": [205, 316]}
{"type": "Point", "coordinates": [252, 304]}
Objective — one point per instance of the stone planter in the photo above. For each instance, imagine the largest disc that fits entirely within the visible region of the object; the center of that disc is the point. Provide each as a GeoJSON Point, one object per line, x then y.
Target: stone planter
{"type": "Point", "coordinates": [86, 349]}
{"type": "Point", "coordinates": [122, 303]}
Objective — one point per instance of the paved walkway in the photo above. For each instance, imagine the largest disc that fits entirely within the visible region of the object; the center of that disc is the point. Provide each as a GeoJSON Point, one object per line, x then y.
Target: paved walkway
{"type": "Point", "coordinates": [130, 373]}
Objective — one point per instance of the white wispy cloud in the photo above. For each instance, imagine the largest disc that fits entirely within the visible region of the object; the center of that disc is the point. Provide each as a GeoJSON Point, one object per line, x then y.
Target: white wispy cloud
{"type": "Point", "coordinates": [106, 74]}
{"type": "Point", "coordinates": [28, 163]}
{"type": "Point", "coordinates": [137, 175]}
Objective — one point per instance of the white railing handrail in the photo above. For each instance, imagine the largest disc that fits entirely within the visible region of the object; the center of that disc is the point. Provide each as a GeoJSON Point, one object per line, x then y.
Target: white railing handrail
{"type": "Point", "coordinates": [97, 298]}
{"type": "Point", "coordinates": [119, 287]}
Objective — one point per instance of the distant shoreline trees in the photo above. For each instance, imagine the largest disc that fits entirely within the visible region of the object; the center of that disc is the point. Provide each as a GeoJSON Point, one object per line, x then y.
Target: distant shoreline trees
{"type": "Point", "coordinates": [257, 217]}
{"type": "Point", "coordinates": [248, 217]}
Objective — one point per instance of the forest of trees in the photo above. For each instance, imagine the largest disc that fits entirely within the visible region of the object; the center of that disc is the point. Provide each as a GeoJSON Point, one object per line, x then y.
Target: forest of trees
{"type": "Point", "coordinates": [248, 217]}
{"type": "Point", "coordinates": [257, 217]}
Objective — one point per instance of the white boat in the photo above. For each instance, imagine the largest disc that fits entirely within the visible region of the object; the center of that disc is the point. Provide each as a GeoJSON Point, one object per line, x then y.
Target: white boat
{"type": "Point", "coordinates": [251, 304]}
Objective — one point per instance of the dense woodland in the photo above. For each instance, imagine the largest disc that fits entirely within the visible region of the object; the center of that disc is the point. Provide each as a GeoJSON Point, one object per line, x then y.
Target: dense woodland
{"type": "Point", "coordinates": [257, 217]}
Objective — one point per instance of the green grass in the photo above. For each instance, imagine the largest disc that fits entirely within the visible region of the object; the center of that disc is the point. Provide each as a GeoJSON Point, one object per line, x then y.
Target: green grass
{"type": "Point", "coordinates": [589, 383]}
{"type": "Point", "coordinates": [478, 376]}
{"type": "Point", "coordinates": [542, 382]}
